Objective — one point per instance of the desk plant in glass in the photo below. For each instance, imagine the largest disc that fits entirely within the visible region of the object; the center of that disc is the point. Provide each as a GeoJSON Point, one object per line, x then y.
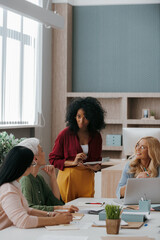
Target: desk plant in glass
{"type": "Point", "coordinates": [7, 141]}
{"type": "Point", "coordinates": [112, 218]}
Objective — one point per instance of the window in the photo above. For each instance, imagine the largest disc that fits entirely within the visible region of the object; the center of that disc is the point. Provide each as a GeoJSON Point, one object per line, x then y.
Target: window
{"type": "Point", "coordinates": [20, 68]}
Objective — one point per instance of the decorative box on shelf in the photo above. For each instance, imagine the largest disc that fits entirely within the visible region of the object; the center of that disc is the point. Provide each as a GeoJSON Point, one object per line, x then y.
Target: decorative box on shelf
{"type": "Point", "coordinates": [114, 140]}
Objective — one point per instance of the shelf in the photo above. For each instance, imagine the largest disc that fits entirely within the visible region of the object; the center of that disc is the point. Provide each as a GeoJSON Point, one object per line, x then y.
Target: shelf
{"type": "Point", "coordinates": [113, 95]}
{"type": "Point", "coordinates": [143, 122]}
{"type": "Point", "coordinates": [113, 121]}
{"type": "Point", "coordinates": [94, 94]}
{"type": "Point", "coordinates": [112, 148]}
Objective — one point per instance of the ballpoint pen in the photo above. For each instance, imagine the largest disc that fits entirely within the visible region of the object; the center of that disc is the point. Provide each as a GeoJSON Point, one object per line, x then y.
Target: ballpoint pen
{"type": "Point", "coordinates": [98, 203]}
{"type": "Point", "coordinates": [146, 171]}
{"type": "Point", "coordinates": [94, 203]}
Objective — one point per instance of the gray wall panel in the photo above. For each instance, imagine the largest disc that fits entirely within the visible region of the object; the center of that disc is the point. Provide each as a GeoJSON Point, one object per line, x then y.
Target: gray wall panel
{"type": "Point", "coordinates": [116, 48]}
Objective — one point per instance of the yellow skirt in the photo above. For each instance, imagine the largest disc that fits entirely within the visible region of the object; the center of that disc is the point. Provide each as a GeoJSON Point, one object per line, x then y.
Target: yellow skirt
{"type": "Point", "coordinates": [75, 182]}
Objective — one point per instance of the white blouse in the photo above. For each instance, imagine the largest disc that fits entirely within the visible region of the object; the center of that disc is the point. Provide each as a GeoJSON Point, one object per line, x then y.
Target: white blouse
{"type": "Point", "coordinates": [85, 148]}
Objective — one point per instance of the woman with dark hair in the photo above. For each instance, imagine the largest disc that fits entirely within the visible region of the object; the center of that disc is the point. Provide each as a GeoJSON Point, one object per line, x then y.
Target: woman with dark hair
{"type": "Point", "coordinates": [80, 141]}
{"type": "Point", "coordinates": [14, 209]}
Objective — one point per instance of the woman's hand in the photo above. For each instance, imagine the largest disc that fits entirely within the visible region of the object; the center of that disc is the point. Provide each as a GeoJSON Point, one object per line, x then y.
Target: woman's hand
{"type": "Point", "coordinates": [143, 175]}
{"type": "Point", "coordinates": [122, 191]}
{"type": "Point", "coordinates": [95, 167]}
{"type": "Point", "coordinates": [70, 208]}
{"type": "Point", "coordinates": [80, 157]}
{"type": "Point", "coordinates": [63, 218]}
{"type": "Point", "coordinates": [50, 170]}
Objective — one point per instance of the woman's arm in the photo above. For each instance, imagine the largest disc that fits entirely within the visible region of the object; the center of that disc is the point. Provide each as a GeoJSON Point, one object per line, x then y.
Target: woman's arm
{"type": "Point", "coordinates": [122, 183]}
{"type": "Point", "coordinates": [80, 157]}
{"type": "Point", "coordinates": [50, 170]}
{"type": "Point", "coordinates": [70, 208]}
{"type": "Point", "coordinates": [40, 213]}
{"type": "Point", "coordinates": [24, 217]}
{"type": "Point", "coordinates": [11, 202]}
{"type": "Point", "coordinates": [60, 218]}
{"type": "Point", "coordinates": [51, 218]}
{"type": "Point", "coordinates": [29, 192]}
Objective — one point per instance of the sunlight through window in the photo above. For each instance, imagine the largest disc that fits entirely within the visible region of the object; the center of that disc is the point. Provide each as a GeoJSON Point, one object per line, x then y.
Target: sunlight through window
{"type": "Point", "coordinates": [20, 68]}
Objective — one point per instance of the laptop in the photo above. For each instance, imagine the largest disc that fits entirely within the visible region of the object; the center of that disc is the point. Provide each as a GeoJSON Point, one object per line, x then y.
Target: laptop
{"type": "Point", "coordinates": [141, 188]}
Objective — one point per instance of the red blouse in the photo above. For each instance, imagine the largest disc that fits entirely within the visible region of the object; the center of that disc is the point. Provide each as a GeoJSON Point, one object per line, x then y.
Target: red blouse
{"type": "Point", "coordinates": [67, 146]}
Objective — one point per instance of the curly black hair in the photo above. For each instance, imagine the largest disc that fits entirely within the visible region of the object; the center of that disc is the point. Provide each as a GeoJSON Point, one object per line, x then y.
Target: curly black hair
{"type": "Point", "coordinates": [94, 113]}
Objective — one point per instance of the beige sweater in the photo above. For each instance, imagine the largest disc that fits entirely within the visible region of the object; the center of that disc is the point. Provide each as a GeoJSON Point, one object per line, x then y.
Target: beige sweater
{"type": "Point", "coordinates": [14, 208]}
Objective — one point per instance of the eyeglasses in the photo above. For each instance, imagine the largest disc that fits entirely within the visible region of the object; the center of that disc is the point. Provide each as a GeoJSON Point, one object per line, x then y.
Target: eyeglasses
{"type": "Point", "coordinates": [141, 147]}
{"type": "Point", "coordinates": [33, 163]}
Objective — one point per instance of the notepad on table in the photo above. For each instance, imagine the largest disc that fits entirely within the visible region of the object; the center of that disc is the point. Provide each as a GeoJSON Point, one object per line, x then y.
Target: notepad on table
{"type": "Point", "coordinates": [77, 216]}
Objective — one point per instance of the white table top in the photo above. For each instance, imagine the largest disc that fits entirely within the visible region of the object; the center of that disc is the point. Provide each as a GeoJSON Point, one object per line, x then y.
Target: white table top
{"type": "Point", "coordinates": [93, 233]}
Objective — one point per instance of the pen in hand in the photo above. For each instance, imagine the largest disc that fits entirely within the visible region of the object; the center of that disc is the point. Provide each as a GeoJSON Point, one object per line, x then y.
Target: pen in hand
{"type": "Point", "coordinates": [146, 171]}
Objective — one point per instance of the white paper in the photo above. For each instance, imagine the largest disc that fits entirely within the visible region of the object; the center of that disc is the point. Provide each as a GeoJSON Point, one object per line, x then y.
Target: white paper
{"type": "Point", "coordinates": [77, 217]}
{"type": "Point", "coordinates": [99, 223]}
{"type": "Point", "coordinates": [123, 223]}
{"type": "Point", "coordinates": [92, 163]}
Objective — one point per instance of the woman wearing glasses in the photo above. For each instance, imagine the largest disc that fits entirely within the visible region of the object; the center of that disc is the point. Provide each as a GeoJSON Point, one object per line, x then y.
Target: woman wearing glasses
{"type": "Point", "coordinates": [34, 188]}
{"type": "Point", "coordinates": [144, 163]}
{"type": "Point", "coordinates": [14, 209]}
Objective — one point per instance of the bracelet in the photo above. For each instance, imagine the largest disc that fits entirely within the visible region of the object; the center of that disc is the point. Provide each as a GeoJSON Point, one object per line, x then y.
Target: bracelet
{"type": "Point", "coordinates": [48, 214]}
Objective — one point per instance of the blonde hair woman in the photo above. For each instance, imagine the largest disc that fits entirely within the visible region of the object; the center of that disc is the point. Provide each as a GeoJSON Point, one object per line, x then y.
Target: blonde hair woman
{"type": "Point", "coordinates": [144, 163]}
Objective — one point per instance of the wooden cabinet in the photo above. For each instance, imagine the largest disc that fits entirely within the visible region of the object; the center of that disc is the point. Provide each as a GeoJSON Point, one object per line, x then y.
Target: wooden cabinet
{"type": "Point", "coordinates": [109, 180]}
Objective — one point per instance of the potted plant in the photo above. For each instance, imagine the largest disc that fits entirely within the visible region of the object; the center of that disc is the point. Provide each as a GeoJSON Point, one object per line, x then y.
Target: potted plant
{"type": "Point", "coordinates": [152, 115]}
{"type": "Point", "coordinates": [112, 218]}
{"type": "Point", "coordinates": [7, 141]}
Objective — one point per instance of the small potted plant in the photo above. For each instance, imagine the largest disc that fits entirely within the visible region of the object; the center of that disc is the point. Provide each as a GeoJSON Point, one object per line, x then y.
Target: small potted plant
{"type": "Point", "coordinates": [7, 141]}
{"type": "Point", "coordinates": [112, 218]}
{"type": "Point", "coordinates": [152, 115]}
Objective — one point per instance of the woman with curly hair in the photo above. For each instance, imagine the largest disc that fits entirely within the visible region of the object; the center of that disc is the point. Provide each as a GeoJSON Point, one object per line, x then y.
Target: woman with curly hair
{"type": "Point", "coordinates": [80, 141]}
{"type": "Point", "coordinates": [145, 163]}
